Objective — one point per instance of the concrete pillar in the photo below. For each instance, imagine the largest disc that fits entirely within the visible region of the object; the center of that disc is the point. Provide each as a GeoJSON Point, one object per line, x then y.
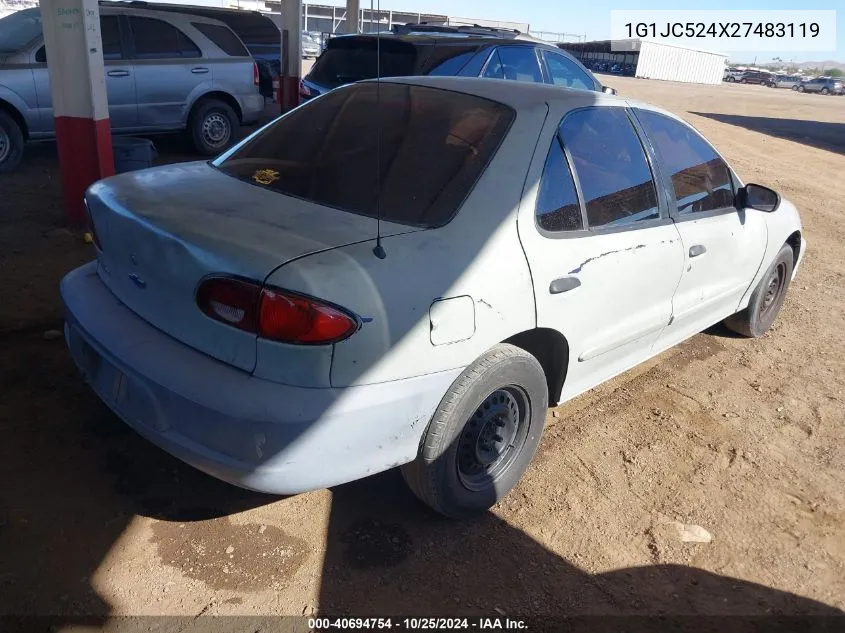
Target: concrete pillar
{"type": "Point", "coordinates": [353, 16]}
{"type": "Point", "coordinates": [78, 88]}
{"type": "Point", "coordinates": [291, 54]}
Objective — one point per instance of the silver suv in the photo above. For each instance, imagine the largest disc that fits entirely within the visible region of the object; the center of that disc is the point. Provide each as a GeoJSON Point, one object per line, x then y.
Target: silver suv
{"type": "Point", "coordinates": [164, 72]}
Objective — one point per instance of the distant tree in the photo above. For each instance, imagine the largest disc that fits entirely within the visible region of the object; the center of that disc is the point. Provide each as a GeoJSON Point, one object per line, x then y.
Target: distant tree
{"type": "Point", "coordinates": [833, 72]}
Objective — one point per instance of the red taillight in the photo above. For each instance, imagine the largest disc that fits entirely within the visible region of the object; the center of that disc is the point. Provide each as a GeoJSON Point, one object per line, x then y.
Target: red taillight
{"type": "Point", "coordinates": [255, 76]}
{"type": "Point", "coordinates": [304, 90]}
{"type": "Point", "coordinates": [273, 314]}
{"type": "Point", "coordinates": [91, 228]}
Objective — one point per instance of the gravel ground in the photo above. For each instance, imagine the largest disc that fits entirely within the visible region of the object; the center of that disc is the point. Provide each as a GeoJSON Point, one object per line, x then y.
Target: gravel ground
{"type": "Point", "coordinates": [743, 438]}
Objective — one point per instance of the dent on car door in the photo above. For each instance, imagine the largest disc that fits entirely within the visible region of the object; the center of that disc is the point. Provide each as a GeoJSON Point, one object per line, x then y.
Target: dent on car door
{"type": "Point", "coordinates": [604, 256]}
{"type": "Point", "coordinates": [723, 245]}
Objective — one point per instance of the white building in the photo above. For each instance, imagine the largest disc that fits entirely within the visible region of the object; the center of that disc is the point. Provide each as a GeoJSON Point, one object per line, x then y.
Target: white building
{"type": "Point", "coordinates": [650, 59]}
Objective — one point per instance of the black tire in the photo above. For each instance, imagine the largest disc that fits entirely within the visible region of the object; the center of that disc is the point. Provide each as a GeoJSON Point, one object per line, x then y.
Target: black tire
{"type": "Point", "coordinates": [767, 298]}
{"type": "Point", "coordinates": [11, 143]}
{"type": "Point", "coordinates": [801, 89]}
{"type": "Point", "coordinates": [743, 81]}
{"type": "Point", "coordinates": [213, 126]}
{"type": "Point", "coordinates": [825, 91]}
{"type": "Point", "coordinates": [505, 383]}
{"type": "Point", "coordinates": [795, 88]}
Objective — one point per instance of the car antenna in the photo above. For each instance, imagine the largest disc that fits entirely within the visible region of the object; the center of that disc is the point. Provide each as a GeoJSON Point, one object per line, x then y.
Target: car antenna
{"type": "Point", "coordinates": [378, 249]}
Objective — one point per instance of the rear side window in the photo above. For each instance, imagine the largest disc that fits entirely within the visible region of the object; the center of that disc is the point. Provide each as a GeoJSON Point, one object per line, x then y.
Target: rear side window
{"type": "Point", "coordinates": [700, 178]}
{"type": "Point", "coordinates": [156, 39]}
{"type": "Point", "coordinates": [517, 63]}
{"type": "Point", "coordinates": [611, 167]}
{"type": "Point", "coordinates": [223, 38]}
{"type": "Point", "coordinates": [447, 61]}
{"type": "Point", "coordinates": [564, 72]}
{"type": "Point", "coordinates": [348, 60]}
{"type": "Point", "coordinates": [557, 201]}
{"type": "Point", "coordinates": [435, 144]}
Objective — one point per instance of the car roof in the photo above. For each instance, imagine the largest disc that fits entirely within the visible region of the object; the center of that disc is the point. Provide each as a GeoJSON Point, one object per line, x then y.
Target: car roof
{"type": "Point", "coordinates": [429, 38]}
{"type": "Point", "coordinates": [518, 95]}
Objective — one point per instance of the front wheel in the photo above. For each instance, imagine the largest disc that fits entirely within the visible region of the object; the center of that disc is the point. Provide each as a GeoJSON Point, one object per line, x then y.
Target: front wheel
{"type": "Point", "coordinates": [213, 126]}
{"type": "Point", "coordinates": [801, 89]}
{"type": "Point", "coordinates": [767, 298]}
{"type": "Point", "coordinates": [743, 81]}
{"type": "Point", "coordinates": [482, 435]}
{"type": "Point", "coordinates": [825, 91]}
{"type": "Point", "coordinates": [795, 88]}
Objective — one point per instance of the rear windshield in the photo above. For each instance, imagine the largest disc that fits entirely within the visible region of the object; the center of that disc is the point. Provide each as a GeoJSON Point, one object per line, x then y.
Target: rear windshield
{"type": "Point", "coordinates": [434, 146]}
{"type": "Point", "coordinates": [19, 29]}
{"type": "Point", "coordinates": [223, 38]}
{"type": "Point", "coordinates": [347, 60]}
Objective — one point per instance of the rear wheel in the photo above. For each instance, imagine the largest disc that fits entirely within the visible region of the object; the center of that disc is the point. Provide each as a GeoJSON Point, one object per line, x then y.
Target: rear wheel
{"type": "Point", "coordinates": [483, 435]}
{"type": "Point", "coordinates": [767, 298]}
{"type": "Point", "coordinates": [743, 81]}
{"type": "Point", "coordinates": [213, 126]}
{"type": "Point", "coordinates": [11, 143]}
{"type": "Point", "coordinates": [795, 88]}
{"type": "Point", "coordinates": [825, 91]}
{"type": "Point", "coordinates": [801, 88]}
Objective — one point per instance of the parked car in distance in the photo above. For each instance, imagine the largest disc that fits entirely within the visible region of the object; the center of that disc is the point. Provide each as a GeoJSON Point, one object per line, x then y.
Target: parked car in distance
{"type": "Point", "coordinates": [732, 74]}
{"type": "Point", "coordinates": [760, 77]}
{"type": "Point", "coordinates": [823, 85]}
{"type": "Point", "coordinates": [416, 283]}
{"type": "Point", "coordinates": [164, 72]}
{"type": "Point", "coordinates": [311, 48]}
{"type": "Point", "coordinates": [423, 49]}
{"type": "Point", "coordinates": [787, 81]}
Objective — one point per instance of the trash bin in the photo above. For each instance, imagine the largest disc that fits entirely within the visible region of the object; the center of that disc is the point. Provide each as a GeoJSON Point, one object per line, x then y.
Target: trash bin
{"type": "Point", "coordinates": [132, 153]}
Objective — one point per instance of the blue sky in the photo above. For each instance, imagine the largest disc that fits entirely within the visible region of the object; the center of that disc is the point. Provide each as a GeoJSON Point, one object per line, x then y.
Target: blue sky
{"type": "Point", "coordinates": [593, 16]}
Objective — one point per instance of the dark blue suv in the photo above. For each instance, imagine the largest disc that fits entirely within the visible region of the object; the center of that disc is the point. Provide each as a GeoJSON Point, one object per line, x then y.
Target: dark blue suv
{"type": "Point", "coordinates": [422, 49]}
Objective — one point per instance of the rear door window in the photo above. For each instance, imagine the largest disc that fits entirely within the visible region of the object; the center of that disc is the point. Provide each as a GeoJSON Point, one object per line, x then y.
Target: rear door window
{"type": "Point", "coordinates": [435, 144]}
{"type": "Point", "coordinates": [516, 63]}
{"type": "Point", "coordinates": [447, 61]}
{"type": "Point", "coordinates": [156, 39]}
{"type": "Point", "coordinates": [611, 166]}
{"type": "Point", "coordinates": [347, 60]}
{"type": "Point", "coordinates": [565, 72]}
{"type": "Point", "coordinates": [223, 38]}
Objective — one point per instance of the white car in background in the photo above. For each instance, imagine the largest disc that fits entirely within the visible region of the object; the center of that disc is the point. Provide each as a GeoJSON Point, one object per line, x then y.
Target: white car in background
{"type": "Point", "coordinates": [290, 316]}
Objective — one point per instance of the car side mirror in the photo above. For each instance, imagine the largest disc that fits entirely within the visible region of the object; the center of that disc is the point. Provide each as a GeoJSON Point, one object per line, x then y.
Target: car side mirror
{"type": "Point", "coordinates": [608, 90]}
{"type": "Point", "coordinates": [758, 197]}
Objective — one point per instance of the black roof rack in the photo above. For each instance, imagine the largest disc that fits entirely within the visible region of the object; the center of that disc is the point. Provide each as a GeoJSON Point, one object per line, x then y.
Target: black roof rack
{"type": "Point", "coordinates": [440, 27]}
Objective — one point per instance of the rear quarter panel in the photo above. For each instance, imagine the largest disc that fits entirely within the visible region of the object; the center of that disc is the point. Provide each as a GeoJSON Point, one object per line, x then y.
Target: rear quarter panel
{"type": "Point", "coordinates": [17, 87]}
{"type": "Point", "coordinates": [477, 255]}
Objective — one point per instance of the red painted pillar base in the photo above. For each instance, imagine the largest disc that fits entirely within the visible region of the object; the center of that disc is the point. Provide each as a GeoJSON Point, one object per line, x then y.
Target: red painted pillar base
{"type": "Point", "coordinates": [288, 95]}
{"type": "Point", "coordinates": [85, 156]}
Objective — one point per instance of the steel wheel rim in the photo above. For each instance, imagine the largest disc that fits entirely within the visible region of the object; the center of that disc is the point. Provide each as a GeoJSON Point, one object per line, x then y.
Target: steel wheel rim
{"type": "Point", "coordinates": [216, 129]}
{"type": "Point", "coordinates": [774, 289]}
{"type": "Point", "coordinates": [493, 437]}
{"type": "Point", "coordinates": [5, 145]}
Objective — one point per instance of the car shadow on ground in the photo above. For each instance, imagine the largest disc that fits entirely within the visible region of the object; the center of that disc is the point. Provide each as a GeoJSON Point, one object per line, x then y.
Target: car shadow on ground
{"type": "Point", "coordinates": [821, 134]}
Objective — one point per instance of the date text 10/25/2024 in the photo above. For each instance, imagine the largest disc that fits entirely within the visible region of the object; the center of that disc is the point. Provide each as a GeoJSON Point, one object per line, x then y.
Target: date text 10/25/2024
{"type": "Point", "coordinates": [417, 624]}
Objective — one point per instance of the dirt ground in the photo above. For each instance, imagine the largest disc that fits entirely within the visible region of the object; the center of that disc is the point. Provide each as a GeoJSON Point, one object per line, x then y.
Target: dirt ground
{"type": "Point", "coordinates": [744, 438]}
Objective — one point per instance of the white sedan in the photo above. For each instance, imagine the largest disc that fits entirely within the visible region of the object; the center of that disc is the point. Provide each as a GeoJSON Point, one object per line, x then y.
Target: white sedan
{"type": "Point", "coordinates": [409, 274]}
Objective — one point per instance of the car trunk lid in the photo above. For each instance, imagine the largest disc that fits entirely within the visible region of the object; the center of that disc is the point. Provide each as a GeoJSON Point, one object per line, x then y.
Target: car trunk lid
{"type": "Point", "coordinates": [163, 230]}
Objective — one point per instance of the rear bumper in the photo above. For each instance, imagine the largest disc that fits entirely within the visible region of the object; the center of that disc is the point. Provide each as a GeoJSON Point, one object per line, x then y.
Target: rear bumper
{"type": "Point", "coordinates": [250, 432]}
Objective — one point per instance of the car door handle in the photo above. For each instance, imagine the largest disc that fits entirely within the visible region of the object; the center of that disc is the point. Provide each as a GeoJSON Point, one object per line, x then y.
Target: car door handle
{"type": "Point", "coordinates": [199, 71]}
{"type": "Point", "coordinates": [564, 284]}
{"type": "Point", "coordinates": [118, 73]}
{"type": "Point", "coordinates": [696, 250]}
